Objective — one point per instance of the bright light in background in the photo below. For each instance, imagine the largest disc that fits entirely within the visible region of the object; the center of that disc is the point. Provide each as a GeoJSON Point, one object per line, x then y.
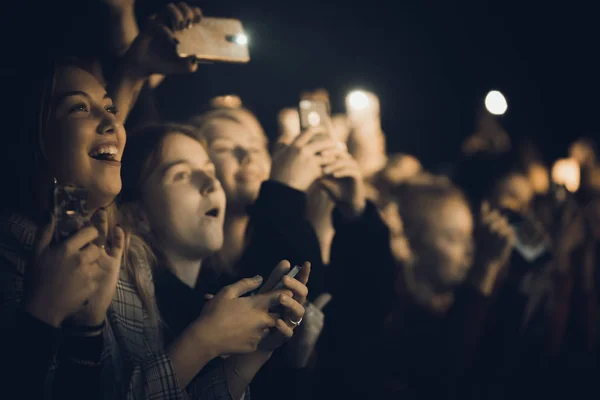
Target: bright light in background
{"type": "Point", "coordinates": [566, 172]}
{"type": "Point", "coordinates": [495, 103]}
{"type": "Point", "coordinates": [241, 39]}
{"type": "Point", "coordinates": [357, 100]}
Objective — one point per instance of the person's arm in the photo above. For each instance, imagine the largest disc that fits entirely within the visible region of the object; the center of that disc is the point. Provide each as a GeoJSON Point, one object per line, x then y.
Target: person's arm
{"type": "Point", "coordinates": [152, 52]}
{"type": "Point", "coordinates": [278, 229]}
{"type": "Point", "coordinates": [361, 257]}
{"type": "Point", "coordinates": [30, 347]}
{"type": "Point", "coordinates": [122, 25]}
{"type": "Point", "coordinates": [79, 367]}
{"type": "Point", "coordinates": [30, 343]}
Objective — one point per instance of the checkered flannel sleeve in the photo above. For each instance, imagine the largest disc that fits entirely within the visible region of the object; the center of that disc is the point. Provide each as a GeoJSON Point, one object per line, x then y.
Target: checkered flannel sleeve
{"type": "Point", "coordinates": [212, 386]}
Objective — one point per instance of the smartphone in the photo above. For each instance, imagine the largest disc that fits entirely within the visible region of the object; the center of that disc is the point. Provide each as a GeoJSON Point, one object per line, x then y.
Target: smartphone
{"type": "Point", "coordinates": [70, 211]}
{"type": "Point", "coordinates": [214, 39]}
{"type": "Point", "coordinates": [292, 274]}
{"type": "Point", "coordinates": [315, 114]}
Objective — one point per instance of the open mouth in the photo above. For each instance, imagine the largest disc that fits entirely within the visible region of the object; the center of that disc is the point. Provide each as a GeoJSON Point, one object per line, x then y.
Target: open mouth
{"type": "Point", "coordinates": [213, 212]}
{"type": "Point", "coordinates": [107, 152]}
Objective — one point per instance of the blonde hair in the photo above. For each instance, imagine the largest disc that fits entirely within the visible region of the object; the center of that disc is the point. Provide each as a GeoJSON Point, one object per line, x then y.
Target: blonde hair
{"type": "Point", "coordinates": [204, 123]}
{"type": "Point", "coordinates": [138, 260]}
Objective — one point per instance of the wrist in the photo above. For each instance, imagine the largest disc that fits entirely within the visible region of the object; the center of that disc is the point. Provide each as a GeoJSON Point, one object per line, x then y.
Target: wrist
{"type": "Point", "coordinates": [352, 211]}
{"type": "Point", "coordinates": [288, 182]}
{"type": "Point", "coordinates": [201, 333]}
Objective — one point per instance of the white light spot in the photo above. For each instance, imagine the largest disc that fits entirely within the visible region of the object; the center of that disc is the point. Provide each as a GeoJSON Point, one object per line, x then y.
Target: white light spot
{"type": "Point", "coordinates": [358, 100]}
{"type": "Point", "coordinates": [495, 103]}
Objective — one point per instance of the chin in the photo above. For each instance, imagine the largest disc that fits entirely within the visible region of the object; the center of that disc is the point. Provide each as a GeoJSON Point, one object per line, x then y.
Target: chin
{"type": "Point", "coordinates": [105, 192]}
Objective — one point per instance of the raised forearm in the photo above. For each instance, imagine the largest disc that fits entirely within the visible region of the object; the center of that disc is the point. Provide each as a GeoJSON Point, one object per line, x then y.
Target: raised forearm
{"type": "Point", "coordinates": [123, 29]}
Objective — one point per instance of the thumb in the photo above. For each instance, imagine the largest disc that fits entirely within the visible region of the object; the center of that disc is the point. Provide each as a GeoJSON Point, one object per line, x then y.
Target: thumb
{"type": "Point", "coordinates": [45, 236]}
{"type": "Point", "coordinates": [322, 300]}
{"type": "Point", "coordinates": [242, 287]}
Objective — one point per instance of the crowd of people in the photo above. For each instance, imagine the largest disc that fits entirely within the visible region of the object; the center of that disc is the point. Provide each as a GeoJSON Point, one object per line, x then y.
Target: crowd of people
{"type": "Point", "coordinates": [174, 282]}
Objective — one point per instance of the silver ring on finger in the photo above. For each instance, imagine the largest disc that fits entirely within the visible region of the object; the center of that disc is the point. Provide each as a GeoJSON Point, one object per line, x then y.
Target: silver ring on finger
{"type": "Point", "coordinates": [293, 324]}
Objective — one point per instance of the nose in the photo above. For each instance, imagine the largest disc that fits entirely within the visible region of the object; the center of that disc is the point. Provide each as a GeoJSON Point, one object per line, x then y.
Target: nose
{"type": "Point", "coordinates": [108, 123]}
{"type": "Point", "coordinates": [242, 155]}
{"type": "Point", "coordinates": [208, 184]}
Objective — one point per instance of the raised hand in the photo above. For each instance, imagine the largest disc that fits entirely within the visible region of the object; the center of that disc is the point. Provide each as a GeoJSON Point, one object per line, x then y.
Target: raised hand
{"type": "Point", "coordinates": [292, 297]}
{"type": "Point", "coordinates": [154, 51]}
{"type": "Point", "coordinates": [494, 240]}
{"type": "Point", "coordinates": [109, 264]}
{"type": "Point", "coordinates": [231, 324]}
{"type": "Point", "coordinates": [63, 276]}
{"type": "Point", "coordinates": [344, 182]}
{"type": "Point", "coordinates": [299, 164]}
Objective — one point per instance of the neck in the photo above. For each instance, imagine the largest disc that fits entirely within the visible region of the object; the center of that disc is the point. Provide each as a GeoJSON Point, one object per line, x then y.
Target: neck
{"type": "Point", "coordinates": [424, 293]}
{"type": "Point", "coordinates": [186, 269]}
{"type": "Point", "coordinates": [234, 237]}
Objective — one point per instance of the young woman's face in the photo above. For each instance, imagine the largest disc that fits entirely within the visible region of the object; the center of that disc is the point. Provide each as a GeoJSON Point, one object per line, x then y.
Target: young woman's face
{"type": "Point", "coordinates": [445, 246]}
{"type": "Point", "coordinates": [184, 201]}
{"type": "Point", "coordinates": [85, 143]}
{"type": "Point", "coordinates": [241, 159]}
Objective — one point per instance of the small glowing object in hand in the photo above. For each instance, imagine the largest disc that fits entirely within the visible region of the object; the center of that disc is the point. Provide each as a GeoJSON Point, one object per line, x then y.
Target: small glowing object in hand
{"type": "Point", "coordinates": [566, 172]}
{"type": "Point", "coordinates": [241, 39]}
{"type": "Point", "coordinates": [495, 103]}
{"type": "Point", "coordinates": [314, 119]}
{"type": "Point", "coordinates": [358, 100]}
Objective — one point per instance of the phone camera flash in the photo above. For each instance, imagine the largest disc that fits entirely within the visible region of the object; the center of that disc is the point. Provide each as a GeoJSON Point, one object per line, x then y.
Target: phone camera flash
{"type": "Point", "coordinates": [240, 39]}
{"type": "Point", "coordinates": [358, 100]}
{"type": "Point", "coordinates": [314, 119]}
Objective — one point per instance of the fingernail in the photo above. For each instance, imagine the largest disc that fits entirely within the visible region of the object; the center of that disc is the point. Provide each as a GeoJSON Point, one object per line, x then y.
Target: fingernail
{"type": "Point", "coordinates": [284, 299]}
{"type": "Point", "coordinates": [258, 278]}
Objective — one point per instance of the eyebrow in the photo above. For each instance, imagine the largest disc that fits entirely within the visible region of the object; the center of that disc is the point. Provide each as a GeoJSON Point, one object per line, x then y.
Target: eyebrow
{"type": "Point", "coordinates": [172, 164]}
{"type": "Point", "coordinates": [60, 97]}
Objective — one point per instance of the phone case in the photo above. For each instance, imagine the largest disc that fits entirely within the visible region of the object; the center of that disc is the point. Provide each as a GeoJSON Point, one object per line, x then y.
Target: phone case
{"type": "Point", "coordinates": [70, 210]}
{"type": "Point", "coordinates": [292, 274]}
{"type": "Point", "coordinates": [314, 114]}
{"type": "Point", "coordinates": [214, 39]}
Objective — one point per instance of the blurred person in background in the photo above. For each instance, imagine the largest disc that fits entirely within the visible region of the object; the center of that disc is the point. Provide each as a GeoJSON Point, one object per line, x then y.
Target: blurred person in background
{"type": "Point", "coordinates": [442, 291]}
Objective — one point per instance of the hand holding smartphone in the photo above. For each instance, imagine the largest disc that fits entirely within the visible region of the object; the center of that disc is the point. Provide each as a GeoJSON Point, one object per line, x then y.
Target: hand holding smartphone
{"type": "Point", "coordinates": [215, 40]}
{"type": "Point", "coordinates": [314, 114]}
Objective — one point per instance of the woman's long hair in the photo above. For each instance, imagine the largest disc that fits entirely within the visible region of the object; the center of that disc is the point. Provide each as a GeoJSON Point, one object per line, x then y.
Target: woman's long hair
{"type": "Point", "coordinates": [27, 174]}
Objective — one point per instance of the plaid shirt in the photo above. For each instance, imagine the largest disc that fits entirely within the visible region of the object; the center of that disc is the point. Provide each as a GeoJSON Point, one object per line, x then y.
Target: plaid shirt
{"type": "Point", "coordinates": [134, 364]}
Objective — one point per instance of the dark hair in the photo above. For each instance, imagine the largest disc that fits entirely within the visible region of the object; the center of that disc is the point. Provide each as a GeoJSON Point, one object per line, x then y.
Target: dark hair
{"type": "Point", "coordinates": [142, 155]}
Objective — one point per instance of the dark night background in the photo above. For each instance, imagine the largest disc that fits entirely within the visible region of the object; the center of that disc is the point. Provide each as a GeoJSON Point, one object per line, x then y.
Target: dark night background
{"type": "Point", "coordinates": [430, 62]}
